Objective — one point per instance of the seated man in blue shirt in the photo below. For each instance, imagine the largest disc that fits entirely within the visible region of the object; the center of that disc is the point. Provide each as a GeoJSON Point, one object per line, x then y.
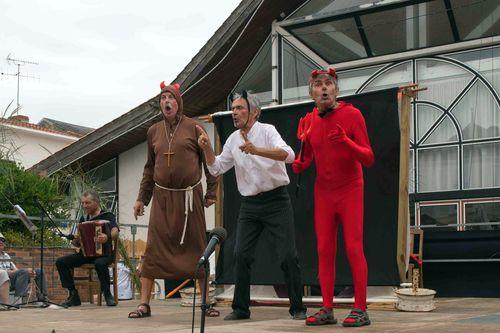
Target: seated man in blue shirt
{"type": "Point", "coordinates": [15, 279]}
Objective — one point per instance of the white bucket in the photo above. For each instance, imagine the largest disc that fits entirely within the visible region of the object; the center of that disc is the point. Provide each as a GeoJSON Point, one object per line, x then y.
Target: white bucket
{"type": "Point", "coordinates": [420, 301]}
{"type": "Point", "coordinates": [187, 296]}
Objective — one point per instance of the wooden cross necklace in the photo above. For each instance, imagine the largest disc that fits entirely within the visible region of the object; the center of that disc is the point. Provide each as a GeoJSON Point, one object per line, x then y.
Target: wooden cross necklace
{"type": "Point", "coordinates": [169, 140]}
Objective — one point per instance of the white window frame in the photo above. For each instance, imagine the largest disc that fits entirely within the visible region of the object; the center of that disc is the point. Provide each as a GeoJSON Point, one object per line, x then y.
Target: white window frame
{"type": "Point", "coordinates": [459, 225]}
{"type": "Point", "coordinates": [417, 186]}
{"type": "Point", "coordinates": [465, 202]}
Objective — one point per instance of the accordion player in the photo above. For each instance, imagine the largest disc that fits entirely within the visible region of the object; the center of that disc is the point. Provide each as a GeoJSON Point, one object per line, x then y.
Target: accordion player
{"type": "Point", "coordinates": [88, 232]}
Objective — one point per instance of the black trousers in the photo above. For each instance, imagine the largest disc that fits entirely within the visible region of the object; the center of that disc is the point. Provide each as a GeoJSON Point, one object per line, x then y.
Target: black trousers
{"type": "Point", "coordinates": [271, 211]}
{"type": "Point", "coordinates": [66, 263]}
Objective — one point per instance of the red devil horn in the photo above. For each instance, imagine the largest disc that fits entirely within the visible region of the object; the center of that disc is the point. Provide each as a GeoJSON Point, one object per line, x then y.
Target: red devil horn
{"type": "Point", "coordinates": [332, 72]}
{"type": "Point", "coordinates": [162, 85]}
{"type": "Point", "coordinates": [176, 86]}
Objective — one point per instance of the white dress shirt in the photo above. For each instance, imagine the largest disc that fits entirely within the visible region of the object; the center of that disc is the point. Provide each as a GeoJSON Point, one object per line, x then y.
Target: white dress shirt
{"type": "Point", "coordinates": [254, 174]}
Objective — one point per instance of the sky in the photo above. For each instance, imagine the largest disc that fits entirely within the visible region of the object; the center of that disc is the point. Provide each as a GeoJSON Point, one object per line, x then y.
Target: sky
{"type": "Point", "coordinates": [98, 59]}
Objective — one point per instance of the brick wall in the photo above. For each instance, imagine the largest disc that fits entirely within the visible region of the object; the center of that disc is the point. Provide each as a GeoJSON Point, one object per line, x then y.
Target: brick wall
{"type": "Point", "coordinates": [28, 257]}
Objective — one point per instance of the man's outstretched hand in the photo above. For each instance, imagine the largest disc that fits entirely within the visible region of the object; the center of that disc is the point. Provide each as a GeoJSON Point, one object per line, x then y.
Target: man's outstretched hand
{"type": "Point", "coordinates": [203, 140]}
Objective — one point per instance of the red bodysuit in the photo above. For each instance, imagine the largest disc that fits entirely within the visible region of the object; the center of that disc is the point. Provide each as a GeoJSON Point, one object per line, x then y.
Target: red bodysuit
{"type": "Point", "coordinates": [340, 146]}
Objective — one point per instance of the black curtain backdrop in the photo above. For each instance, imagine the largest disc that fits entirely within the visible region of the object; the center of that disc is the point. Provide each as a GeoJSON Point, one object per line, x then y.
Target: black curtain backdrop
{"type": "Point", "coordinates": [380, 109]}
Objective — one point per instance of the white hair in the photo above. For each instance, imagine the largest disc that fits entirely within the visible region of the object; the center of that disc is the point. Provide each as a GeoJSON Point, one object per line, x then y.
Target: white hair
{"type": "Point", "coordinates": [253, 102]}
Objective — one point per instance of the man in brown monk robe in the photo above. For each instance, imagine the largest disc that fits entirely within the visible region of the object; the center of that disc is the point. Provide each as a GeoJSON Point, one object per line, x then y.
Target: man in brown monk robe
{"type": "Point", "coordinates": [172, 179]}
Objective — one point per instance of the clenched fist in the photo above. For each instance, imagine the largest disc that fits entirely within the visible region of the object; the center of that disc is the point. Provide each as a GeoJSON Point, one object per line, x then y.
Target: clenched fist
{"type": "Point", "coordinates": [298, 166]}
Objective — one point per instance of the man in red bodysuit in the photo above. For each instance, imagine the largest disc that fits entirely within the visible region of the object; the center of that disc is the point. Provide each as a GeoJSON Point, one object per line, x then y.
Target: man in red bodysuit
{"type": "Point", "coordinates": [334, 135]}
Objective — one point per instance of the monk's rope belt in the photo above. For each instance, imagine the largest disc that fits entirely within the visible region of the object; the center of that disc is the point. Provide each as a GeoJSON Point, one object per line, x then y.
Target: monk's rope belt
{"type": "Point", "coordinates": [188, 203]}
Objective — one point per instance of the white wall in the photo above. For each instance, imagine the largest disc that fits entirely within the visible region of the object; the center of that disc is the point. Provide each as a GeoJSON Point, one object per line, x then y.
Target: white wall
{"type": "Point", "coordinates": [31, 146]}
{"type": "Point", "coordinates": [130, 168]}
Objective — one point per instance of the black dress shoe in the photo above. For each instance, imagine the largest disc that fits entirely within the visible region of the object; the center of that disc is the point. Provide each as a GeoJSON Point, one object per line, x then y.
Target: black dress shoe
{"type": "Point", "coordinates": [236, 316]}
{"type": "Point", "coordinates": [299, 315]}
{"type": "Point", "coordinates": [73, 299]}
{"type": "Point", "coordinates": [110, 300]}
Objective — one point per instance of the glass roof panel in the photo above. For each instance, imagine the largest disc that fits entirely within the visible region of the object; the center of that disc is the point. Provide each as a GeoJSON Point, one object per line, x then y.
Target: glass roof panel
{"type": "Point", "coordinates": [257, 77]}
{"type": "Point", "coordinates": [407, 28]}
{"type": "Point", "coordinates": [477, 19]}
{"type": "Point", "coordinates": [296, 70]}
{"type": "Point", "coordinates": [319, 7]}
{"type": "Point", "coordinates": [334, 41]}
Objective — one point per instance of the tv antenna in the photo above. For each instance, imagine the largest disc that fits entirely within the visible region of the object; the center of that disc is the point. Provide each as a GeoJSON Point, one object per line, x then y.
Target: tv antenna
{"type": "Point", "coordinates": [19, 63]}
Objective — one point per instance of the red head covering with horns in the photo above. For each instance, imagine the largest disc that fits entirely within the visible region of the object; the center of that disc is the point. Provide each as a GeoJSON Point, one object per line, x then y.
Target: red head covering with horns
{"type": "Point", "coordinates": [174, 89]}
{"type": "Point", "coordinates": [330, 71]}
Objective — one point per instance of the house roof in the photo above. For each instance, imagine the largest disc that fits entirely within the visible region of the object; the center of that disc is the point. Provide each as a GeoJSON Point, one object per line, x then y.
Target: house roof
{"type": "Point", "coordinates": [38, 127]}
{"type": "Point", "coordinates": [205, 82]}
{"type": "Point", "coordinates": [65, 127]}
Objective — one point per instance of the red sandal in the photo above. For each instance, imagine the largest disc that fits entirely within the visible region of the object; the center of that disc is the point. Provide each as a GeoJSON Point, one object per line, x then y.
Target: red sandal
{"type": "Point", "coordinates": [323, 317]}
{"type": "Point", "coordinates": [356, 318]}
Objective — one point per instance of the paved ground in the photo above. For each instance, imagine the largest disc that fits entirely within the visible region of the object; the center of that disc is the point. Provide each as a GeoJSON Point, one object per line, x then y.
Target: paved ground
{"type": "Point", "coordinates": [452, 315]}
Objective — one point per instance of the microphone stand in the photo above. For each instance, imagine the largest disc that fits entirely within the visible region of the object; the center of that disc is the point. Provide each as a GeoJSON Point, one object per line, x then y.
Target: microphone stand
{"type": "Point", "coordinates": [54, 225]}
{"type": "Point", "coordinates": [45, 301]}
{"type": "Point", "coordinates": [9, 306]}
{"type": "Point", "coordinates": [204, 292]}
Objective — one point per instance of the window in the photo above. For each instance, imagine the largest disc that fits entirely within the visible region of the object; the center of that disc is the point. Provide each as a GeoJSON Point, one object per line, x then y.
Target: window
{"type": "Point", "coordinates": [444, 81]}
{"type": "Point", "coordinates": [334, 41]}
{"type": "Point", "coordinates": [341, 31]}
{"type": "Point", "coordinates": [103, 177]}
{"type": "Point", "coordinates": [455, 124]}
{"type": "Point", "coordinates": [405, 28]}
{"type": "Point", "coordinates": [437, 169]}
{"type": "Point", "coordinates": [476, 19]}
{"type": "Point", "coordinates": [434, 127]}
{"type": "Point", "coordinates": [459, 215]}
{"type": "Point", "coordinates": [437, 216]}
{"type": "Point", "coordinates": [296, 70]}
{"type": "Point", "coordinates": [393, 76]}
{"type": "Point", "coordinates": [321, 7]}
{"type": "Point", "coordinates": [109, 203]}
{"type": "Point", "coordinates": [482, 213]}
{"type": "Point", "coordinates": [427, 115]}
{"type": "Point", "coordinates": [478, 113]}
{"type": "Point", "coordinates": [485, 61]}
{"type": "Point", "coordinates": [257, 77]}
{"type": "Point", "coordinates": [351, 80]}
{"type": "Point", "coordinates": [481, 165]}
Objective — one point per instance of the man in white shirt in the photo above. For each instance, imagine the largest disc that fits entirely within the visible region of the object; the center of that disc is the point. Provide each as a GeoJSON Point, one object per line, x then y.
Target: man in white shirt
{"type": "Point", "coordinates": [258, 154]}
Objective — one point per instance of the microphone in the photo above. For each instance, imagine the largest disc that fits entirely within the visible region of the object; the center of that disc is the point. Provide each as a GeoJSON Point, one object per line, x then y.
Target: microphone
{"type": "Point", "coordinates": [68, 237]}
{"type": "Point", "coordinates": [217, 236]}
{"type": "Point", "coordinates": [24, 218]}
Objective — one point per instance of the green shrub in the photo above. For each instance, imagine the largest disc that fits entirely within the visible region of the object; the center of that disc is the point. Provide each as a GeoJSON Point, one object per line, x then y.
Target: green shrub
{"type": "Point", "coordinates": [27, 189]}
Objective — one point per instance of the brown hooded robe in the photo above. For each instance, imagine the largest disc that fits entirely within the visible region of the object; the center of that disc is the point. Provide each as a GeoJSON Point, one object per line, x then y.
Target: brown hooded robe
{"type": "Point", "coordinates": [165, 257]}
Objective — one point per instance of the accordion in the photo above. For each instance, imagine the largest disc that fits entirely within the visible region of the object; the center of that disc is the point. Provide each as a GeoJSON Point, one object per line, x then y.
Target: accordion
{"type": "Point", "coordinates": [88, 232]}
